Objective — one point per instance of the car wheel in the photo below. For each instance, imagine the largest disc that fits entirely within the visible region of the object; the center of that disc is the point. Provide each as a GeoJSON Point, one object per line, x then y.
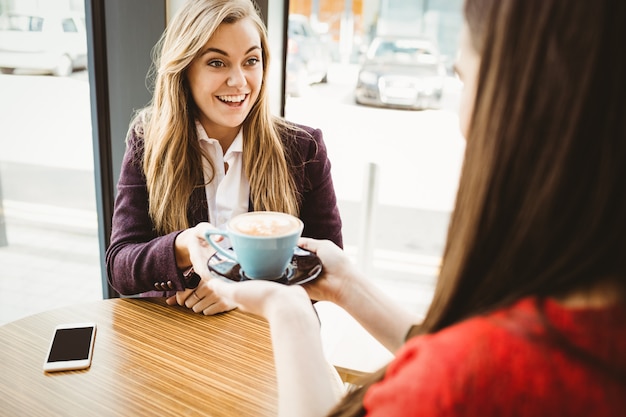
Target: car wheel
{"type": "Point", "coordinates": [64, 66]}
{"type": "Point", "coordinates": [5, 70]}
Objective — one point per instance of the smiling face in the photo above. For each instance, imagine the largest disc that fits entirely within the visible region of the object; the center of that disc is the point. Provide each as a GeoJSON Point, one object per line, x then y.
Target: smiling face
{"type": "Point", "coordinates": [226, 77]}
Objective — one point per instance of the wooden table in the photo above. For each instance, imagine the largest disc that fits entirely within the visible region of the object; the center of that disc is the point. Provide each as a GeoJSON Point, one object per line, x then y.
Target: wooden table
{"type": "Point", "coordinates": [149, 359]}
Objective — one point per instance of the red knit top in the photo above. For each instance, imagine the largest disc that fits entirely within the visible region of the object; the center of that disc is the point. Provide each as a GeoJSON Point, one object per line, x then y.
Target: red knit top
{"type": "Point", "coordinates": [509, 364]}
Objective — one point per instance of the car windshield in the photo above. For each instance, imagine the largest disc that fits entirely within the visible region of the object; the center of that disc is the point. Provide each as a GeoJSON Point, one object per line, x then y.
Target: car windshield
{"type": "Point", "coordinates": [404, 50]}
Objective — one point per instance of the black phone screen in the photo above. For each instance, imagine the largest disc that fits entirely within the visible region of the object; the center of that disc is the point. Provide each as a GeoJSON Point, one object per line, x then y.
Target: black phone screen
{"type": "Point", "coordinates": [71, 344]}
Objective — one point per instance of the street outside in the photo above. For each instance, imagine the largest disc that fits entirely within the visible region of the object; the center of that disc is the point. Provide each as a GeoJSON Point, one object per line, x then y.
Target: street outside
{"type": "Point", "coordinates": [46, 169]}
{"type": "Point", "coordinates": [418, 152]}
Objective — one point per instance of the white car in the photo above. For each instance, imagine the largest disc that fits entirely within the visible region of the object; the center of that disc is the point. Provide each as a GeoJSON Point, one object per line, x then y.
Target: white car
{"type": "Point", "coordinates": [401, 73]}
{"type": "Point", "coordinates": [53, 43]}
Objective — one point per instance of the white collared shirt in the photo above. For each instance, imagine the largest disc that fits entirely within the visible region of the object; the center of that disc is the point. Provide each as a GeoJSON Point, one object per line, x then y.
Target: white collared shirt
{"type": "Point", "coordinates": [229, 193]}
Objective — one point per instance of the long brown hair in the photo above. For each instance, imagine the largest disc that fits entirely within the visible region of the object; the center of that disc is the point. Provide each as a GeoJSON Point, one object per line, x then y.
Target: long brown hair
{"type": "Point", "coordinates": [172, 158]}
{"type": "Point", "coordinates": [540, 207]}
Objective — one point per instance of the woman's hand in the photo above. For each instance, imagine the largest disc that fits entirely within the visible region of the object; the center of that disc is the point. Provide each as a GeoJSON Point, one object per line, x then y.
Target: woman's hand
{"type": "Point", "coordinates": [203, 299]}
{"type": "Point", "coordinates": [340, 283]}
{"type": "Point", "coordinates": [261, 297]}
{"type": "Point", "coordinates": [192, 248]}
{"type": "Point", "coordinates": [338, 271]}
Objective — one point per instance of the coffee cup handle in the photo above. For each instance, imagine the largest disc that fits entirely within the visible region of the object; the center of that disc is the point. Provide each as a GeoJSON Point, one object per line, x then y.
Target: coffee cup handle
{"type": "Point", "coordinates": [227, 253]}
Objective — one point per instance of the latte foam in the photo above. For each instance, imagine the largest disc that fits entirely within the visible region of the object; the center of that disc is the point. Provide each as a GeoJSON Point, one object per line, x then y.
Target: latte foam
{"type": "Point", "coordinates": [265, 224]}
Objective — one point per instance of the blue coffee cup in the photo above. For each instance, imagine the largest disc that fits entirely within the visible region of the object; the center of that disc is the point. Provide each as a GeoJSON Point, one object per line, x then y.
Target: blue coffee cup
{"type": "Point", "coordinates": [263, 242]}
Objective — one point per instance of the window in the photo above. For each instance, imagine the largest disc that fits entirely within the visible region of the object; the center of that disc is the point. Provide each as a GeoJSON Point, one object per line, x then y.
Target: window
{"type": "Point", "coordinates": [391, 132]}
{"type": "Point", "coordinates": [49, 249]}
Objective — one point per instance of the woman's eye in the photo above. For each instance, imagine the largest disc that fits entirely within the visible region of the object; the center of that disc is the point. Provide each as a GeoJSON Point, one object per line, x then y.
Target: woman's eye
{"type": "Point", "coordinates": [216, 64]}
{"type": "Point", "coordinates": [253, 61]}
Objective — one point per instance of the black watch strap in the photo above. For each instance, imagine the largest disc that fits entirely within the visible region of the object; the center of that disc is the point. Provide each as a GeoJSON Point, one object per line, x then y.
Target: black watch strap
{"type": "Point", "coordinates": [191, 278]}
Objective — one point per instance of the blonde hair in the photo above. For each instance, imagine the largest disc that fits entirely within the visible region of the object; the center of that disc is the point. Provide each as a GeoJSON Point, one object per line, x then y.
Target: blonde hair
{"type": "Point", "coordinates": [172, 159]}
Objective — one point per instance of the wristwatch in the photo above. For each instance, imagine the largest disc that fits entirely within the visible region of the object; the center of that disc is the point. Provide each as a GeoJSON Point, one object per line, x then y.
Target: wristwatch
{"type": "Point", "coordinates": [191, 279]}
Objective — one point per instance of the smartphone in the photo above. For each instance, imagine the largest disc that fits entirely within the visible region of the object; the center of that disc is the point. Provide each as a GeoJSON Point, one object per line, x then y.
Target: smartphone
{"type": "Point", "coordinates": [71, 347]}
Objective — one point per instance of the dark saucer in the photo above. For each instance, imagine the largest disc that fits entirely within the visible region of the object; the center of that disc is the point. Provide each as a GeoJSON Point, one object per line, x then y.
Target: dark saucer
{"type": "Point", "coordinates": [305, 266]}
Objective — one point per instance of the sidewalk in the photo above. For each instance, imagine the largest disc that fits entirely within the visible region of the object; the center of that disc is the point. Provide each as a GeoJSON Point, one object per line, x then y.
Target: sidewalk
{"type": "Point", "coordinates": [52, 260]}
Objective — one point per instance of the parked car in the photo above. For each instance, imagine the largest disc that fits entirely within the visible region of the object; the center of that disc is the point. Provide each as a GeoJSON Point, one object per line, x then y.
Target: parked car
{"type": "Point", "coordinates": [401, 73]}
{"type": "Point", "coordinates": [54, 43]}
{"type": "Point", "coordinates": [308, 56]}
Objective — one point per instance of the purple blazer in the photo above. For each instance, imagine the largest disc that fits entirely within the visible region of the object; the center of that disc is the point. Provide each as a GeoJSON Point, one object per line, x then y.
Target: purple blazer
{"type": "Point", "coordinates": [137, 257]}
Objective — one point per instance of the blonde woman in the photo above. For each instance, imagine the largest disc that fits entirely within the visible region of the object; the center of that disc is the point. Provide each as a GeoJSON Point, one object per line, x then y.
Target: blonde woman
{"type": "Point", "coordinates": [206, 149]}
